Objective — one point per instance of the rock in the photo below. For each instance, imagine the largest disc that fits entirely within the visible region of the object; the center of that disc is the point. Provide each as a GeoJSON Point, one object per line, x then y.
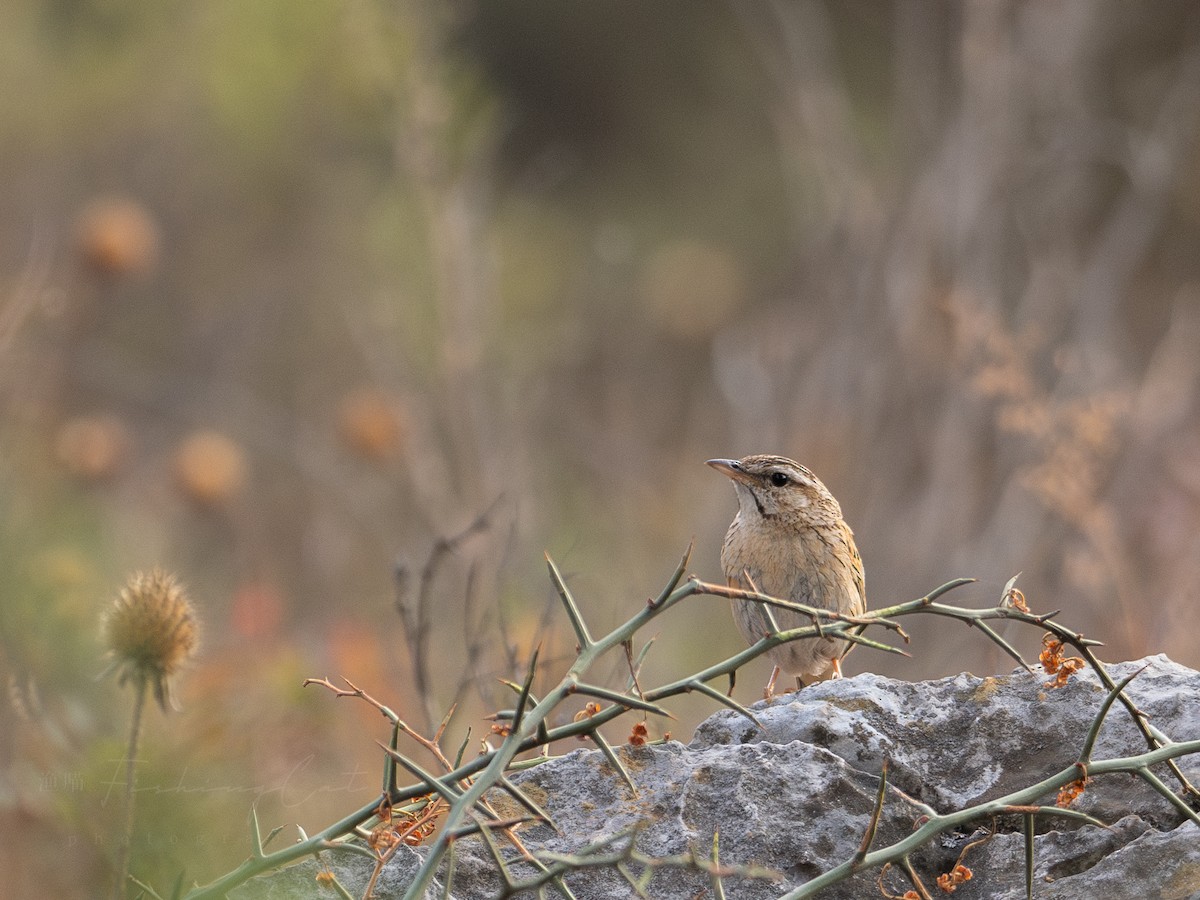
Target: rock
{"type": "Point", "coordinates": [794, 793]}
{"type": "Point", "coordinates": [763, 798]}
{"type": "Point", "coordinates": [957, 741]}
{"type": "Point", "coordinates": [1130, 860]}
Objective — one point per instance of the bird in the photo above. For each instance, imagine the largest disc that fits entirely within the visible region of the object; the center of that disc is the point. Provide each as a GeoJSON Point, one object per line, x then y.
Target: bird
{"type": "Point", "coordinates": [789, 540]}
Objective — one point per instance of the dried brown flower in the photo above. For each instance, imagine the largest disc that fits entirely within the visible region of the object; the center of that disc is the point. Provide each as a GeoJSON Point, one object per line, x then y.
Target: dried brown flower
{"type": "Point", "coordinates": [589, 710]}
{"type": "Point", "coordinates": [1068, 792]}
{"type": "Point", "coordinates": [950, 881]}
{"type": "Point", "coordinates": [370, 423]}
{"type": "Point", "coordinates": [152, 632]}
{"type": "Point", "coordinates": [118, 237]}
{"type": "Point", "coordinates": [1066, 669]}
{"type": "Point", "coordinates": [1054, 663]}
{"type": "Point", "coordinates": [210, 467]}
{"type": "Point", "coordinates": [421, 829]}
{"type": "Point", "coordinates": [1014, 598]}
{"type": "Point", "coordinates": [92, 447]}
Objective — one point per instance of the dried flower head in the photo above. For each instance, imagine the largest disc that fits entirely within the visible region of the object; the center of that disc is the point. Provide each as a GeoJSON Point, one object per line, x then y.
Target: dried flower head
{"type": "Point", "coordinates": [371, 424]}
{"type": "Point", "coordinates": [118, 236]}
{"type": "Point", "coordinates": [93, 447]}
{"type": "Point", "coordinates": [422, 826]}
{"type": "Point", "coordinates": [382, 838]}
{"type": "Point", "coordinates": [1068, 793]}
{"type": "Point", "coordinates": [950, 881]}
{"type": "Point", "coordinates": [151, 632]}
{"type": "Point", "coordinates": [325, 878]}
{"type": "Point", "coordinates": [1013, 597]}
{"type": "Point", "coordinates": [1069, 667]}
{"type": "Point", "coordinates": [210, 467]}
{"type": "Point", "coordinates": [589, 710]}
{"type": "Point", "coordinates": [1055, 663]}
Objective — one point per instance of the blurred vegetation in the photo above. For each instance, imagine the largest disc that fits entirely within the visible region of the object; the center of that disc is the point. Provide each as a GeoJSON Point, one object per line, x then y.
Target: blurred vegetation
{"type": "Point", "coordinates": [293, 292]}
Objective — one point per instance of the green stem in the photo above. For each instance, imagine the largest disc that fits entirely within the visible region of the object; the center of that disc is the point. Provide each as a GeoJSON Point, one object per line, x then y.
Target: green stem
{"type": "Point", "coordinates": [135, 734]}
{"type": "Point", "coordinates": [1016, 801]}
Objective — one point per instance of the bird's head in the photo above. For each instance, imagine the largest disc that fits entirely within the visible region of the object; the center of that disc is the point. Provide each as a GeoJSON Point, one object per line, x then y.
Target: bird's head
{"type": "Point", "coordinates": [775, 488]}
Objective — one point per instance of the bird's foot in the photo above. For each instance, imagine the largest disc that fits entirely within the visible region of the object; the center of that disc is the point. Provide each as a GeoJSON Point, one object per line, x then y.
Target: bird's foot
{"type": "Point", "coordinates": [769, 690]}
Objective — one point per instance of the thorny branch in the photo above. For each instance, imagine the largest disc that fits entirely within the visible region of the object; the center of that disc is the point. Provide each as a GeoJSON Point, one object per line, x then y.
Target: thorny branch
{"type": "Point", "coordinates": [463, 786]}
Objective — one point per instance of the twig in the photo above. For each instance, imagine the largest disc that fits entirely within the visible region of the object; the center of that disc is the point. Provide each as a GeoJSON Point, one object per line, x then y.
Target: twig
{"type": "Point", "coordinates": [415, 618]}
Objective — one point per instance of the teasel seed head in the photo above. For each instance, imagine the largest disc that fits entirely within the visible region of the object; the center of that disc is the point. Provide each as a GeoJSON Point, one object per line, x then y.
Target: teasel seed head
{"type": "Point", "coordinates": [151, 632]}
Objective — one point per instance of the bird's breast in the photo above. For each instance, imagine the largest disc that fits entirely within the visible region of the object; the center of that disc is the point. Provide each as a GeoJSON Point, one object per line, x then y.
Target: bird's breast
{"type": "Point", "coordinates": [806, 565]}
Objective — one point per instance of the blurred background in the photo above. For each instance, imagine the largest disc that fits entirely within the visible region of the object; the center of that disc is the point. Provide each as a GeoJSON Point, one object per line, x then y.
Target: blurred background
{"type": "Point", "coordinates": [345, 312]}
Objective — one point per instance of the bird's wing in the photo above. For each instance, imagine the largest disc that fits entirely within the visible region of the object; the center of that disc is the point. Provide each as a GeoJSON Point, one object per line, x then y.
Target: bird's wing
{"type": "Point", "coordinates": [860, 580]}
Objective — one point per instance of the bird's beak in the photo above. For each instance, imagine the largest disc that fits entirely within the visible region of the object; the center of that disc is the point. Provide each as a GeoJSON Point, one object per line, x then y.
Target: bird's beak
{"type": "Point", "coordinates": [732, 468]}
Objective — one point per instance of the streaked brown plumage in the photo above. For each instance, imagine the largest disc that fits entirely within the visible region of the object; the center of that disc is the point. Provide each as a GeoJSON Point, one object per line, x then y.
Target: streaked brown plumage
{"type": "Point", "coordinates": [789, 540]}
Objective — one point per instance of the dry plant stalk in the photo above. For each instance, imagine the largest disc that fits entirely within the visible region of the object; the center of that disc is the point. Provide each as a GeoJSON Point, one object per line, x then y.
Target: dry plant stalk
{"type": "Point", "coordinates": [152, 633]}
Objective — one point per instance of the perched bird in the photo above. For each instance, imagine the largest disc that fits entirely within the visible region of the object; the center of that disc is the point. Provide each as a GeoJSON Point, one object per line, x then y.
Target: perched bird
{"type": "Point", "coordinates": [788, 540]}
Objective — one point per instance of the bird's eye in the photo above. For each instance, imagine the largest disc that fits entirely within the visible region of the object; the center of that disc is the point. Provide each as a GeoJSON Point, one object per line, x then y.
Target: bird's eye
{"type": "Point", "coordinates": [779, 479]}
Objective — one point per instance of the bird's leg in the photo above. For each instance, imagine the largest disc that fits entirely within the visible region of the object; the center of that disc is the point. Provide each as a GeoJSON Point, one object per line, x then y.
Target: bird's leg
{"type": "Point", "coordinates": [837, 668]}
{"type": "Point", "coordinates": [769, 690]}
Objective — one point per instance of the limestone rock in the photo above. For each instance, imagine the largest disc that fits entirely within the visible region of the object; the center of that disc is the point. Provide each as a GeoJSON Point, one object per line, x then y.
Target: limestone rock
{"type": "Point", "coordinates": [793, 794]}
